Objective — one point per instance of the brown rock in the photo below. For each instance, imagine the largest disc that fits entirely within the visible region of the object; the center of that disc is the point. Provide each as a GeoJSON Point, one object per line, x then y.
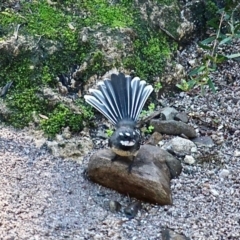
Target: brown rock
{"type": "Point", "coordinates": [149, 179]}
{"type": "Point", "coordinates": [168, 234]}
{"type": "Point", "coordinates": [173, 127]}
{"type": "Point", "coordinates": [155, 138]}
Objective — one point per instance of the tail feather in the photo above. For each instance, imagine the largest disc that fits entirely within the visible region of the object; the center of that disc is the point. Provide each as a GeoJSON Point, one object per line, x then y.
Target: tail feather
{"type": "Point", "coordinates": [122, 94]}
{"type": "Point", "coordinates": [120, 98]}
{"type": "Point", "coordinates": [138, 99]}
{"type": "Point", "coordinates": [102, 99]}
{"type": "Point", "coordinates": [101, 108]}
{"type": "Point", "coordinates": [129, 95]}
{"type": "Point", "coordinates": [110, 97]}
{"type": "Point", "coordinates": [134, 86]}
{"type": "Point", "coordinates": [145, 94]}
{"type": "Point", "coordinates": [121, 87]}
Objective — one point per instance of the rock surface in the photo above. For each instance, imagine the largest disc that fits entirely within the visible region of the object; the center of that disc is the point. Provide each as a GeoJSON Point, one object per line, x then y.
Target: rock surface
{"type": "Point", "coordinates": [168, 113]}
{"type": "Point", "coordinates": [172, 127]}
{"type": "Point", "coordinates": [203, 141]}
{"type": "Point", "coordinates": [168, 234]}
{"type": "Point", "coordinates": [182, 116]}
{"type": "Point", "coordinates": [149, 179]}
{"type": "Point", "coordinates": [155, 138]}
{"type": "Point", "coordinates": [180, 146]}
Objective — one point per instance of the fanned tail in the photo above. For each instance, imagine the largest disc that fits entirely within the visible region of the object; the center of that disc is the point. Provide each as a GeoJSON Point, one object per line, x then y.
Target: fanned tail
{"type": "Point", "coordinates": [120, 98]}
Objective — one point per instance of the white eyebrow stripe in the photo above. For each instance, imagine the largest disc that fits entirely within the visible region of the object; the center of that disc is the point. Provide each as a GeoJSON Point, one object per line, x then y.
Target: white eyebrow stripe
{"type": "Point", "coordinates": [127, 134]}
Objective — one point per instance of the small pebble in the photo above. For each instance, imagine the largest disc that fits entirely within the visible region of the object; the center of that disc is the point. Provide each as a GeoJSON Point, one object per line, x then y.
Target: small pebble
{"type": "Point", "coordinates": [224, 173]}
{"type": "Point", "coordinates": [132, 209]}
{"type": "Point", "coordinates": [189, 159]}
{"type": "Point", "coordinates": [214, 192]}
{"type": "Point", "coordinates": [114, 206]}
{"type": "Point", "coordinates": [237, 153]}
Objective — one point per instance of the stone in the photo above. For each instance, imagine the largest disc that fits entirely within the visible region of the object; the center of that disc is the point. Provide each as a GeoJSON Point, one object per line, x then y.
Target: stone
{"type": "Point", "coordinates": [192, 62]}
{"type": "Point", "coordinates": [74, 148]}
{"type": "Point", "coordinates": [132, 209]}
{"type": "Point", "coordinates": [214, 192]}
{"type": "Point", "coordinates": [181, 117]}
{"type": "Point", "coordinates": [66, 133]}
{"type": "Point", "coordinates": [189, 159]}
{"type": "Point", "coordinates": [5, 112]}
{"type": "Point", "coordinates": [203, 141]}
{"type": "Point", "coordinates": [180, 146]}
{"type": "Point", "coordinates": [168, 113]}
{"type": "Point", "coordinates": [173, 127]}
{"type": "Point", "coordinates": [236, 153]}
{"type": "Point", "coordinates": [168, 234]}
{"type": "Point", "coordinates": [114, 206]}
{"type": "Point", "coordinates": [224, 173]}
{"type": "Point", "coordinates": [149, 179]}
{"type": "Point", "coordinates": [174, 166]}
{"type": "Point", "coordinates": [155, 138]}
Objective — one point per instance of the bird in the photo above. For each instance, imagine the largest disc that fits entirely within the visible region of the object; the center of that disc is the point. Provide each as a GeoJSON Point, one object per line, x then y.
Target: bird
{"type": "Point", "coordinates": [121, 99]}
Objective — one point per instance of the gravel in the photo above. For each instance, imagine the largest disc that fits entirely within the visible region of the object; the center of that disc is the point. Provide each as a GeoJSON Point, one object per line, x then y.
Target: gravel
{"type": "Point", "coordinates": [44, 197]}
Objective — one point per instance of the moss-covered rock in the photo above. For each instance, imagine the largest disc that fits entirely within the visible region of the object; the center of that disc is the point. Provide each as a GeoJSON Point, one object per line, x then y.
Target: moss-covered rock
{"type": "Point", "coordinates": [43, 40]}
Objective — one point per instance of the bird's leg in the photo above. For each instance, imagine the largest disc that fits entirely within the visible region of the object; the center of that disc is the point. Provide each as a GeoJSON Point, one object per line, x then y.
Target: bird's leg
{"type": "Point", "coordinates": [133, 157]}
{"type": "Point", "coordinates": [114, 158]}
{"type": "Point", "coordinates": [129, 168]}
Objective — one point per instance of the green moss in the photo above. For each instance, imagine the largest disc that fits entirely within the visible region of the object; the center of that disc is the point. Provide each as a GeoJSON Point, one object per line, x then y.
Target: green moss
{"type": "Point", "coordinates": [98, 63]}
{"type": "Point", "coordinates": [152, 50]}
{"type": "Point", "coordinates": [30, 72]}
{"type": "Point", "coordinates": [59, 26]}
{"type": "Point", "coordinates": [22, 107]}
{"type": "Point", "coordinates": [113, 15]}
{"type": "Point", "coordinates": [62, 117]}
{"type": "Point", "coordinates": [210, 10]}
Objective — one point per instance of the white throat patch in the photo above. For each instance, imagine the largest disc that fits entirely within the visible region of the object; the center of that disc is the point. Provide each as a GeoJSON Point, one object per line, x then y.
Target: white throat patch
{"type": "Point", "coordinates": [127, 143]}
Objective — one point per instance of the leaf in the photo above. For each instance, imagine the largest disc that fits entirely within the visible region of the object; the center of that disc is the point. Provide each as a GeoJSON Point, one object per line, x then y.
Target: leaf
{"type": "Point", "coordinates": [209, 57]}
{"type": "Point", "coordinates": [231, 27]}
{"type": "Point", "coordinates": [208, 40]}
{"type": "Point", "coordinates": [183, 85]}
{"type": "Point", "coordinates": [186, 86]}
{"type": "Point", "coordinates": [226, 40]}
{"type": "Point", "coordinates": [191, 83]}
{"type": "Point", "coordinates": [213, 67]}
{"type": "Point", "coordinates": [220, 58]}
{"type": "Point", "coordinates": [237, 27]}
{"type": "Point", "coordinates": [235, 55]}
{"type": "Point", "coordinates": [213, 23]}
{"type": "Point", "coordinates": [221, 36]}
{"type": "Point", "coordinates": [197, 70]}
{"type": "Point", "coordinates": [211, 85]}
{"type": "Point", "coordinates": [206, 47]}
{"type": "Point", "coordinates": [6, 13]}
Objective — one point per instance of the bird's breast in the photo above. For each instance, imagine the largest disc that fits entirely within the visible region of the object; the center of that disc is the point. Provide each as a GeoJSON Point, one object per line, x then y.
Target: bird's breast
{"type": "Point", "coordinates": [124, 153]}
